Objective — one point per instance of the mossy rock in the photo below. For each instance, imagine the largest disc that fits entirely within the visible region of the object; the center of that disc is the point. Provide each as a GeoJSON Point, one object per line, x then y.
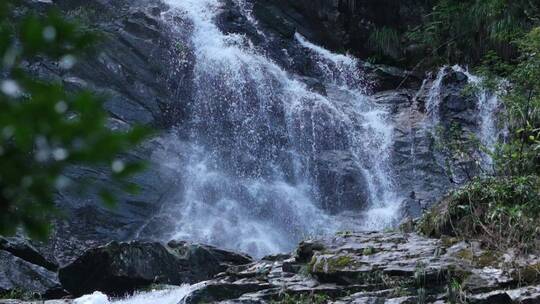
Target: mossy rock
{"type": "Point", "coordinates": [449, 241]}
{"type": "Point", "coordinates": [302, 299]}
{"type": "Point", "coordinates": [18, 294]}
{"type": "Point", "coordinates": [529, 274]}
{"type": "Point", "coordinates": [465, 254]}
{"type": "Point", "coordinates": [487, 258]}
{"type": "Point", "coordinates": [369, 251]}
{"type": "Point", "coordinates": [330, 264]}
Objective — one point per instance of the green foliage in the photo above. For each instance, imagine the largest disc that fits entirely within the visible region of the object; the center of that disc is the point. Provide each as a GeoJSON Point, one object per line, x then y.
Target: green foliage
{"type": "Point", "coordinates": [465, 31]}
{"type": "Point", "coordinates": [519, 155]}
{"type": "Point", "coordinates": [505, 211]}
{"type": "Point", "coordinates": [386, 42]}
{"type": "Point", "coordinates": [455, 292]}
{"type": "Point", "coordinates": [502, 206]}
{"type": "Point", "coordinates": [19, 295]}
{"type": "Point", "coordinates": [455, 32]}
{"type": "Point", "coordinates": [43, 128]}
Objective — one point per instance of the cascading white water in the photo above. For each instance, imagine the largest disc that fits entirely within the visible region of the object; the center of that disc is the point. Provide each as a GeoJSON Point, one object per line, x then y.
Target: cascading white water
{"type": "Point", "coordinates": [249, 168]}
{"type": "Point", "coordinates": [371, 137]}
{"type": "Point", "coordinates": [340, 70]}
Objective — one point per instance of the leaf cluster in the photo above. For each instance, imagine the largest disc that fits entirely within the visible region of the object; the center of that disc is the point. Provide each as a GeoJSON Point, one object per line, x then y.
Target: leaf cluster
{"type": "Point", "coordinates": [44, 128]}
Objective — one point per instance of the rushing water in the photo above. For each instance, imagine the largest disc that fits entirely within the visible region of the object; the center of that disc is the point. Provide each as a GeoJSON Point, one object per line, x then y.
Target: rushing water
{"type": "Point", "coordinates": [172, 295]}
{"type": "Point", "coordinates": [251, 167]}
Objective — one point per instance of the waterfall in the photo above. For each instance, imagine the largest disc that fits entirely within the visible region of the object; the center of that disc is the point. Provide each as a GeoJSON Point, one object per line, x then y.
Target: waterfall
{"type": "Point", "coordinates": [250, 170]}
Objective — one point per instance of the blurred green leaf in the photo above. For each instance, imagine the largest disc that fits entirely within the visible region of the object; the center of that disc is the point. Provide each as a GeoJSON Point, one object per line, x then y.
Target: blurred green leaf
{"type": "Point", "coordinates": [45, 129]}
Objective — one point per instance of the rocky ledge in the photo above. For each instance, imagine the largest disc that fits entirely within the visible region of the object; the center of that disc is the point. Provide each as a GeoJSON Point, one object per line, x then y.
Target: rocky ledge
{"type": "Point", "coordinates": [378, 267]}
{"type": "Point", "coordinates": [382, 267]}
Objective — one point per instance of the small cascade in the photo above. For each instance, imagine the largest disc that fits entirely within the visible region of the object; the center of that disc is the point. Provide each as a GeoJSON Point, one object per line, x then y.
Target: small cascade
{"type": "Point", "coordinates": [434, 99]}
{"type": "Point", "coordinates": [172, 295]}
{"type": "Point", "coordinates": [341, 70]}
{"type": "Point", "coordinates": [488, 107]}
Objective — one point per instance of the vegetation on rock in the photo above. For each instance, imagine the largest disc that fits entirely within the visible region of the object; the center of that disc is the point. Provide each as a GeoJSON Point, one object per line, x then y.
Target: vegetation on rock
{"type": "Point", "coordinates": [501, 40]}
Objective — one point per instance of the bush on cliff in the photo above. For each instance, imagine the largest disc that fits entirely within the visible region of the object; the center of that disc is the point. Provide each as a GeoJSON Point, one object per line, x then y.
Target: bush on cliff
{"type": "Point", "coordinates": [43, 127]}
{"type": "Point", "coordinates": [502, 206]}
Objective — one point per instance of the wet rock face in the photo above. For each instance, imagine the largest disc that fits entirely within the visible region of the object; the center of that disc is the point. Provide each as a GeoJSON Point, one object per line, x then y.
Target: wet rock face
{"type": "Point", "coordinates": [420, 166]}
{"type": "Point", "coordinates": [144, 70]}
{"type": "Point", "coordinates": [341, 183]}
{"type": "Point", "coordinates": [371, 268]}
{"type": "Point", "coordinates": [119, 268]}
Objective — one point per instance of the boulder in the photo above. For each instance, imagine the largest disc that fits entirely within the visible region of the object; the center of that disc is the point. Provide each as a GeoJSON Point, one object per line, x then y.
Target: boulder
{"type": "Point", "coordinates": [119, 268]}
{"type": "Point", "coordinates": [33, 281]}
{"type": "Point", "coordinates": [341, 184]}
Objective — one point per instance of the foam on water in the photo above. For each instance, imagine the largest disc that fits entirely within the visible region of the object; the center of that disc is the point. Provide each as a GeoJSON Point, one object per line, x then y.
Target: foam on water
{"type": "Point", "coordinates": [173, 295]}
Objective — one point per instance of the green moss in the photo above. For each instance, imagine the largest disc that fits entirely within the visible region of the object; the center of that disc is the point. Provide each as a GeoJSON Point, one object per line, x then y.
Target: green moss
{"type": "Point", "coordinates": [448, 241]}
{"type": "Point", "coordinates": [529, 274]}
{"type": "Point", "coordinates": [369, 251]}
{"type": "Point", "coordinates": [465, 254]}
{"type": "Point", "coordinates": [18, 294]}
{"type": "Point", "coordinates": [487, 258]}
{"type": "Point", "coordinates": [329, 264]}
{"type": "Point", "coordinates": [314, 265]}
{"type": "Point", "coordinates": [340, 262]}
